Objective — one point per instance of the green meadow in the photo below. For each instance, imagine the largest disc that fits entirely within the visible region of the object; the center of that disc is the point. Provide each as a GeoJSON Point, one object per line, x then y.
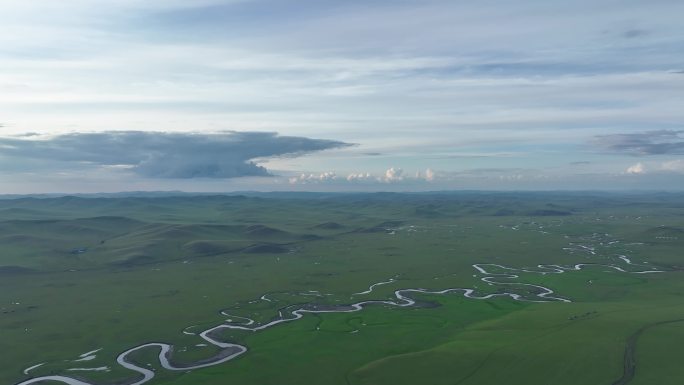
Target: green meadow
{"type": "Point", "coordinates": [78, 274]}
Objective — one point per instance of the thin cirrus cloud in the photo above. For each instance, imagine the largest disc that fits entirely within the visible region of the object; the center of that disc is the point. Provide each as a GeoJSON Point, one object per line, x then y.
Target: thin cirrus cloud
{"type": "Point", "coordinates": [658, 142]}
{"type": "Point", "coordinates": [225, 154]}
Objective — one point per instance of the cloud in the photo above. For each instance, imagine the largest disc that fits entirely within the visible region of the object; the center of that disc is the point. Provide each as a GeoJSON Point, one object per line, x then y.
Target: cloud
{"type": "Point", "coordinates": [634, 33]}
{"type": "Point", "coordinates": [360, 177]}
{"type": "Point", "coordinates": [413, 81]}
{"type": "Point", "coordinates": [657, 142]}
{"type": "Point", "coordinates": [331, 177]}
{"type": "Point", "coordinates": [394, 175]}
{"type": "Point", "coordinates": [429, 175]}
{"type": "Point", "coordinates": [676, 165]}
{"type": "Point", "coordinates": [327, 176]}
{"type": "Point", "coordinates": [227, 154]}
{"type": "Point", "coordinates": [636, 169]}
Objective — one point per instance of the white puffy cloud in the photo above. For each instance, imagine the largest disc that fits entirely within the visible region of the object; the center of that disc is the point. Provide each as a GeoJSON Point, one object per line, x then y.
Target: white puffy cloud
{"type": "Point", "coordinates": [360, 177]}
{"type": "Point", "coordinates": [636, 169]}
{"type": "Point", "coordinates": [429, 175]}
{"type": "Point", "coordinates": [313, 178]}
{"type": "Point", "coordinates": [393, 175]}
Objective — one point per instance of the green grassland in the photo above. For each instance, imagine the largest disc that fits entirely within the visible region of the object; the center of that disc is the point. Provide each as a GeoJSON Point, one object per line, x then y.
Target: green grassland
{"type": "Point", "coordinates": [79, 274]}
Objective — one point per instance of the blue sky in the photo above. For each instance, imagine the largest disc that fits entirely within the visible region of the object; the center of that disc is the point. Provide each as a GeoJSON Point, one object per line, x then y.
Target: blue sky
{"type": "Point", "coordinates": [209, 95]}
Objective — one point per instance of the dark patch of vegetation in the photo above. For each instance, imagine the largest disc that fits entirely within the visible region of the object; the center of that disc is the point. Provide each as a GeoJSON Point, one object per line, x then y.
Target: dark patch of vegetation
{"type": "Point", "coordinates": [261, 231]}
{"type": "Point", "coordinates": [382, 227]}
{"type": "Point", "coordinates": [265, 248]}
{"type": "Point", "coordinates": [548, 213]}
{"type": "Point", "coordinates": [15, 270]}
{"type": "Point", "coordinates": [135, 260]}
{"type": "Point", "coordinates": [329, 226]}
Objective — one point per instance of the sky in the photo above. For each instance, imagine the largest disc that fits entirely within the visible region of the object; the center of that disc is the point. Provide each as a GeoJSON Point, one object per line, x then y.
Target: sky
{"type": "Point", "coordinates": [332, 95]}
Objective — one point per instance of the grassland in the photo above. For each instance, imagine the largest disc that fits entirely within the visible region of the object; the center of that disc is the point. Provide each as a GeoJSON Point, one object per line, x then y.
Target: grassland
{"type": "Point", "coordinates": [80, 274]}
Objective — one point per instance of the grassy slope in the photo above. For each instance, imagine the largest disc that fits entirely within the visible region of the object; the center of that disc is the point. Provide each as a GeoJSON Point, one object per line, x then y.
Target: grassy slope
{"type": "Point", "coordinates": [659, 352]}
{"type": "Point", "coordinates": [168, 263]}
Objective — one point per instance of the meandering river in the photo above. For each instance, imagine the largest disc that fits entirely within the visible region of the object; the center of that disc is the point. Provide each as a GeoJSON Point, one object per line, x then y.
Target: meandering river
{"type": "Point", "coordinates": [402, 298]}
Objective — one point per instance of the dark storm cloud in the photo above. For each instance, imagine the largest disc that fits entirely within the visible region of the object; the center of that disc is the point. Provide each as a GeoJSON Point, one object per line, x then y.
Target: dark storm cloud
{"type": "Point", "coordinates": [660, 142]}
{"type": "Point", "coordinates": [165, 155]}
